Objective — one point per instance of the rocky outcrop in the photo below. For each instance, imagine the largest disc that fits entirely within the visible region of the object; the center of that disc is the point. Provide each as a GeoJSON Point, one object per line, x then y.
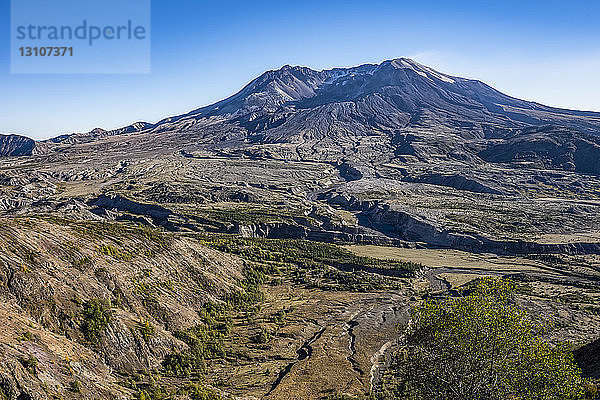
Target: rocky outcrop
{"type": "Point", "coordinates": [273, 230]}
{"type": "Point", "coordinates": [350, 172]}
{"type": "Point", "coordinates": [120, 203]}
{"type": "Point", "coordinates": [12, 204]}
{"type": "Point", "coordinates": [16, 383]}
{"type": "Point", "coordinates": [397, 222]}
{"type": "Point", "coordinates": [399, 227]}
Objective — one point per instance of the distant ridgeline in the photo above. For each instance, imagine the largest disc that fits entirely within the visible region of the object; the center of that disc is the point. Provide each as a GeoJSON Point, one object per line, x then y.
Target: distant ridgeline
{"type": "Point", "coordinates": [15, 145]}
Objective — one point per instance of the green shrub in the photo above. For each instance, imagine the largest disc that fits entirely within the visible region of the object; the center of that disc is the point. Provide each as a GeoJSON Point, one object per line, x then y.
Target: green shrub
{"type": "Point", "coordinates": [262, 337]}
{"type": "Point", "coordinates": [30, 364]}
{"type": "Point", "coordinates": [481, 346]}
{"type": "Point", "coordinates": [143, 395]}
{"type": "Point", "coordinates": [197, 392]}
{"type": "Point", "coordinates": [323, 265]}
{"type": "Point", "coordinates": [96, 317]}
{"type": "Point", "coordinates": [82, 263]}
{"type": "Point", "coordinates": [146, 329]}
{"type": "Point", "coordinates": [181, 364]}
{"type": "Point", "coordinates": [112, 251]}
{"type": "Point", "coordinates": [75, 386]}
{"type": "Point", "coordinates": [591, 390]}
{"type": "Point", "coordinates": [279, 318]}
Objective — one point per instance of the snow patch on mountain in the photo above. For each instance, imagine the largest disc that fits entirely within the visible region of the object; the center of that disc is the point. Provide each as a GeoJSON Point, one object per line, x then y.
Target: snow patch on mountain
{"type": "Point", "coordinates": [422, 70]}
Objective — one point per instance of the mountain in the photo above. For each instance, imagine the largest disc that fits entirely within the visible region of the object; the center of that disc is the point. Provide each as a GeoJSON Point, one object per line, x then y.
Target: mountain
{"type": "Point", "coordinates": [392, 95]}
{"type": "Point", "coordinates": [15, 145]}
{"type": "Point", "coordinates": [398, 109]}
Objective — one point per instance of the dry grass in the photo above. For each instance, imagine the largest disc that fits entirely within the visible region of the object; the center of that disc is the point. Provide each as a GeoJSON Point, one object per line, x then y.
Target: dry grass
{"type": "Point", "coordinates": [440, 258]}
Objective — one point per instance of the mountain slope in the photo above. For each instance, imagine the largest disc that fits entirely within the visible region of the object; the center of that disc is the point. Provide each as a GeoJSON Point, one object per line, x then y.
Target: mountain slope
{"type": "Point", "coordinates": [15, 145]}
{"type": "Point", "coordinates": [547, 147]}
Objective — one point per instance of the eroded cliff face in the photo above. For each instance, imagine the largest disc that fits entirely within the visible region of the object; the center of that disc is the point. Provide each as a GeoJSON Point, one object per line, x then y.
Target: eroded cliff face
{"type": "Point", "coordinates": [52, 269]}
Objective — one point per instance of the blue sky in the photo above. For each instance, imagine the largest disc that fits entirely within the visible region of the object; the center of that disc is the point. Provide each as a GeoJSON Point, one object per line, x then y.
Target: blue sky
{"type": "Point", "coordinates": [547, 51]}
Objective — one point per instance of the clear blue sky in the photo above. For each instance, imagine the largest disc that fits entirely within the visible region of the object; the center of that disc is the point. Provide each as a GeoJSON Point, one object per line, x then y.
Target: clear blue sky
{"type": "Point", "coordinates": [547, 51]}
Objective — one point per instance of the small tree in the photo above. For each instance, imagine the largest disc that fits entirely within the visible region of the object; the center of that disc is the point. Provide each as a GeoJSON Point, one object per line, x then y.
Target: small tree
{"type": "Point", "coordinates": [481, 346]}
{"type": "Point", "coordinates": [97, 315]}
